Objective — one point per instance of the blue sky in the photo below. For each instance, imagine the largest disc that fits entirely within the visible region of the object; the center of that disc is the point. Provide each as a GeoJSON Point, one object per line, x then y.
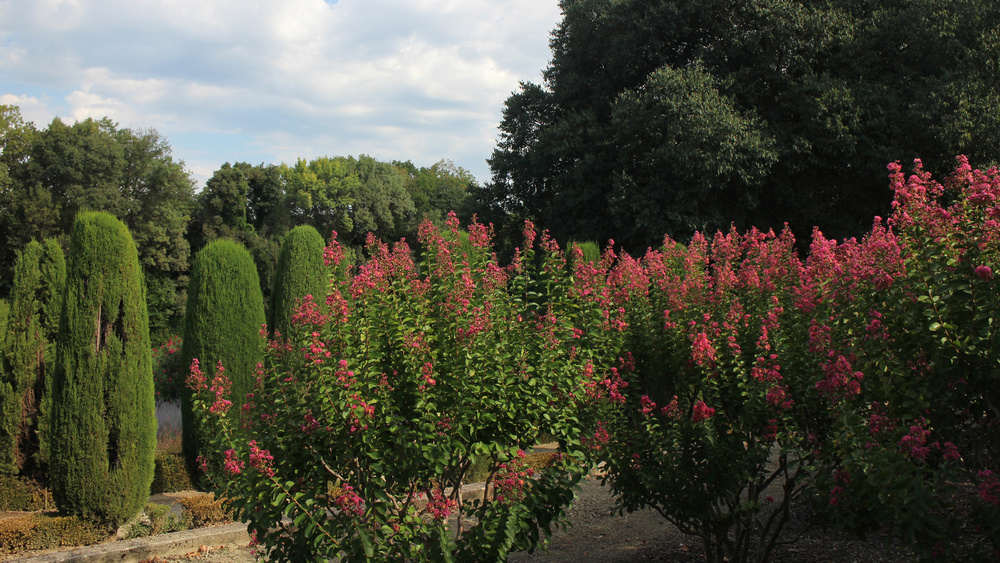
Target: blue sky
{"type": "Point", "coordinates": [276, 80]}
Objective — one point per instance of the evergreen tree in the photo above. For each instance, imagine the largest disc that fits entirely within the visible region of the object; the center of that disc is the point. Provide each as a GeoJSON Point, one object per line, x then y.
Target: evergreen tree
{"type": "Point", "coordinates": [52, 285]}
{"type": "Point", "coordinates": [103, 417]}
{"type": "Point", "coordinates": [225, 311]}
{"type": "Point", "coordinates": [28, 356]}
{"type": "Point", "coordinates": [300, 272]}
{"type": "Point", "coordinates": [20, 355]}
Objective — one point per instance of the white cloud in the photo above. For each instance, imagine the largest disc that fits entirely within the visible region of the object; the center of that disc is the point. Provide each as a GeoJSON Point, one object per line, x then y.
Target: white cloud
{"type": "Point", "coordinates": [419, 80]}
{"type": "Point", "coordinates": [32, 108]}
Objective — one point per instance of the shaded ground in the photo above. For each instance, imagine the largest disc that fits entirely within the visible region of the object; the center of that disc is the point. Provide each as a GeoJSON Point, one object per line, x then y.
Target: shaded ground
{"type": "Point", "coordinates": [597, 535]}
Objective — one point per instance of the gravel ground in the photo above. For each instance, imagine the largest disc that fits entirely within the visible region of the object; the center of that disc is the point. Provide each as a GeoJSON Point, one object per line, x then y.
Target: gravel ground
{"type": "Point", "coordinates": [595, 534]}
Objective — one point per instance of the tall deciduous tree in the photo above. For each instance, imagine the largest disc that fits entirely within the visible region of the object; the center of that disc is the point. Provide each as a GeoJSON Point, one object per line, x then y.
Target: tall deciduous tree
{"type": "Point", "coordinates": [94, 165]}
{"type": "Point", "coordinates": [671, 115]}
{"type": "Point", "coordinates": [225, 313]}
{"type": "Point", "coordinates": [104, 417]}
{"type": "Point", "coordinates": [438, 189]}
{"type": "Point", "coordinates": [353, 196]}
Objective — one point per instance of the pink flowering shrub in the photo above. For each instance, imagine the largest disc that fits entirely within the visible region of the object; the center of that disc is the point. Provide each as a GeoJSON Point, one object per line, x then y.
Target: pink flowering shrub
{"type": "Point", "coordinates": [917, 422]}
{"type": "Point", "coordinates": [387, 395]}
{"type": "Point", "coordinates": [721, 395]}
{"type": "Point", "coordinates": [864, 375]}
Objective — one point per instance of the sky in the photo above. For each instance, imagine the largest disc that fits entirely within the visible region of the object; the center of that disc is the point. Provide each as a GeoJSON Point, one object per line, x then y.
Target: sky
{"type": "Point", "coordinates": [270, 81]}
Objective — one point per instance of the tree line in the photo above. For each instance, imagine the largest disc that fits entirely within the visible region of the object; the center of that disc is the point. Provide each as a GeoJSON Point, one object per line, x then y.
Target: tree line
{"type": "Point", "coordinates": [676, 116]}
{"type": "Point", "coordinates": [48, 175]}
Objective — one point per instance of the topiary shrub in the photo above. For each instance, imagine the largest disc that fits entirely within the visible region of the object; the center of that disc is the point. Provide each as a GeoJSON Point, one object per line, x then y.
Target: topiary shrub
{"type": "Point", "coordinates": [225, 312]}
{"type": "Point", "coordinates": [21, 494]}
{"type": "Point", "coordinates": [157, 519]}
{"type": "Point", "coordinates": [52, 286]}
{"type": "Point", "coordinates": [34, 532]}
{"type": "Point", "coordinates": [28, 356]}
{"type": "Point", "coordinates": [171, 474]}
{"type": "Point", "coordinates": [103, 416]}
{"type": "Point", "coordinates": [300, 272]}
{"type": "Point", "coordinates": [205, 510]}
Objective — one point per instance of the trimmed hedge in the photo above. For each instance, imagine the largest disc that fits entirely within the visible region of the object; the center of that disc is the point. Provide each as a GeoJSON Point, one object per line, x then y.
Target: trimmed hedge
{"type": "Point", "coordinates": [104, 416]}
{"type": "Point", "coordinates": [225, 312]}
{"type": "Point", "coordinates": [300, 272]}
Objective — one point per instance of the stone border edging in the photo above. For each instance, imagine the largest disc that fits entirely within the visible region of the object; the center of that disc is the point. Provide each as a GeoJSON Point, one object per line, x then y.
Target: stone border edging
{"type": "Point", "coordinates": [172, 544]}
{"type": "Point", "coordinates": [138, 549]}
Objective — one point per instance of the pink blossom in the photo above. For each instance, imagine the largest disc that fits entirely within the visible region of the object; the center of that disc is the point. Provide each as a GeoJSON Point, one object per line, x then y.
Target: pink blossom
{"type": "Point", "coordinates": [232, 464]}
{"type": "Point", "coordinates": [349, 501]}
{"type": "Point", "coordinates": [701, 412]}
{"type": "Point", "coordinates": [672, 410]}
{"type": "Point", "coordinates": [984, 272]}
{"type": "Point", "coordinates": [648, 406]}
{"type": "Point", "coordinates": [261, 459]}
{"type": "Point", "coordinates": [439, 505]}
{"type": "Point", "coordinates": [511, 479]}
{"type": "Point", "coordinates": [989, 487]}
{"type": "Point", "coordinates": [702, 351]}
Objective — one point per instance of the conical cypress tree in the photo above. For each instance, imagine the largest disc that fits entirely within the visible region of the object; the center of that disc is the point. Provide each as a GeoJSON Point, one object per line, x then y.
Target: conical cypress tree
{"type": "Point", "coordinates": [103, 417]}
{"type": "Point", "coordinates": [28, 357]}
{"type": "Point", "coordinates": [300, 272]}
{"type": "Point", "coordinates": [52, 285]}
{"type": "Point", "coordinates": [225, 311]}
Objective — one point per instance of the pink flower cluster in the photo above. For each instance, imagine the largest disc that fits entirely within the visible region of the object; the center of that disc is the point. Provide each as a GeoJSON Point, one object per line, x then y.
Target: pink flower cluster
{"type": "Point", "coordinates": [511, 479]}
{"type": "Point", "coordinates": [672, 410]}
{"type": "Point", "coordinates": [333, 254]}
{"type": "Point", "coordinates": [841, 380]}
{"type": "Point", "coordinates": [348, 501]}
{"type": "Point", "coordinates": [220, 388]}
{"type": "Point", "coordinates": [989, 487]}
{"type": "Point", "coordinates": [648, 406]}
{"type": "Point", "coordinates": [702, 352]}
{"type": "Point", "coordinates": [308, 312]}
{"type": "Point", "coordinates": [837, 492]}
{"type": "Point", "coordinates": [232, 465]}
{"type": "Point", "coordinates": [701, 412]}
{"type": "Point", "coordinates": [439, 505]}
{"type": "Point", "coordinates": [914, 443]}
{"type": "Point", "coordinates": [261, 459]}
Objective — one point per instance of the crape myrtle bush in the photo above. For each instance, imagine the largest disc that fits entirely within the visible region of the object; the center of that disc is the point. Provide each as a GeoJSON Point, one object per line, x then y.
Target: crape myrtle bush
{"type": "Point", "coordinates": [386, 395]}
{"type": "Point", "coordinates": [917, 439]}
{"type": "Point", "coordinates": [722, 394]}
{"type": "Point", "coordinates": [864, 375]}
{"type": "Point", "coordinates": [718, 381]}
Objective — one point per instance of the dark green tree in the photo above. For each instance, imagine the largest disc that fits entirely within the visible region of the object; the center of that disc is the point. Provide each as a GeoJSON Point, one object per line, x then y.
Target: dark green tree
{"type": "Point", "coordinates": [94, 165]}
{"type": "Point", "coordinates": [247, 204]}
{"type": "Point", "coordinates": [161, 199]}
{"type": "Point", "coordinates": [17, 206]}
{"type": "Point", "coordinates": [300, 272]}
{"type": "Point", "coordinates": [103, 417]}
{"type": "Point", "coordinates": [27, 358]}
{"type": "Point", "coordinates": [225, 313]}
{"type": "Point", "coordinates": [50, 295]}
{"type": "Point", "coordinates": [667, 116]}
